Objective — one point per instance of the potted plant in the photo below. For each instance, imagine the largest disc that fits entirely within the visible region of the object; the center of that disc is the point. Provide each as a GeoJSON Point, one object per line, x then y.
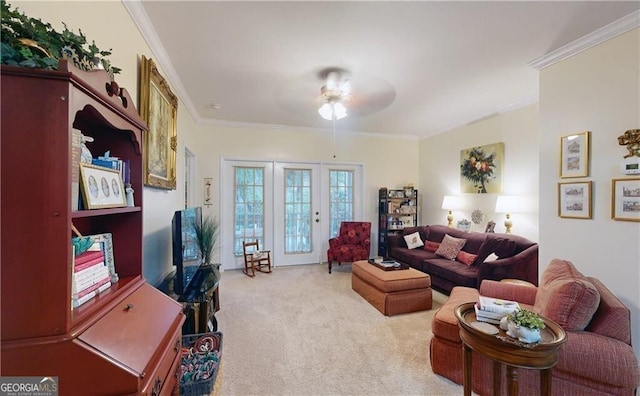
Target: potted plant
{"type": "Point", "coordinates": [207, 237]}
{"type": "Point", "coordinates": [524, 325]}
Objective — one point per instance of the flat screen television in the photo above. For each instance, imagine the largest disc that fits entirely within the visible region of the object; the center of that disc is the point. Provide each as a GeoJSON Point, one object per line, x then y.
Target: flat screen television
{"type": "Point", "coordinates": [186, 254]}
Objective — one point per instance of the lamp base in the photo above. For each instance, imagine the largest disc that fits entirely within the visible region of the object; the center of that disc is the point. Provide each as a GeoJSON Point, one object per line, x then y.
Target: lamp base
{"type": "Point", "coordinates": [450, 219]}
{"type": "Point", "coordinates": [508, 224]}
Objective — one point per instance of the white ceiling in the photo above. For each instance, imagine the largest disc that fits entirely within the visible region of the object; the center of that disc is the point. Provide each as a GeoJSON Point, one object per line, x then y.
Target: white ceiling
{"type": "Point", "coordinates": [417, 68]}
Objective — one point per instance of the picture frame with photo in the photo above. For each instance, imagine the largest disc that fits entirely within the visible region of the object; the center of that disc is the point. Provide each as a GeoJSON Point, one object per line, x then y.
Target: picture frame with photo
{"type": "Point", "coordinates": [574, 200]}
{"type": "Point", "coordinates": [625, 199]}
{"type": "Point", "coordinates": [574, 155]}
{"type": "Point", "coordinates": [101, 187]}
{"type": "Point", "coordinates": [491, 226]}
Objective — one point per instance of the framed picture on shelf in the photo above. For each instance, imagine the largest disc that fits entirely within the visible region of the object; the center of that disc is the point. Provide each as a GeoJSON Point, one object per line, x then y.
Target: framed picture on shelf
{"type": "Point", "coordinates": [574, 200]}
{"type": "Point", "coordinates": [625, 199]}
{"type": "Point", "coordinates": [106, 245]}
{"type": "Point", "coordinates": [159, 108]}
{"type": "Point", "coordinates": [574, 155]}
{"type": "Point", "coordinates": [101, 187]}
{"type": "Point", "coordinates": [491, 226]}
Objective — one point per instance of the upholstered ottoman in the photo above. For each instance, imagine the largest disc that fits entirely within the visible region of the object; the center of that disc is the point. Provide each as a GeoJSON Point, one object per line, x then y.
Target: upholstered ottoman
{"type": "Point", "coordinates": [392, 292]}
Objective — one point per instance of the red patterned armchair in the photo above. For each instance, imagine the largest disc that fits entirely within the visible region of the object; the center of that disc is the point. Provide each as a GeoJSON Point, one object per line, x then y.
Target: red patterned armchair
{"type": "Point", "coordinates": [352, 243]}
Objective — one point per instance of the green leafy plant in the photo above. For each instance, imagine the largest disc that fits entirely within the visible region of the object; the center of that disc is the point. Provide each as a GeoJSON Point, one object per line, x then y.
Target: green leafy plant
{"type": "Point", "coordinates": [29, 42]}
{"type": "Point", "coordinates": [207, 237]}
{"type": "Point", "coordinates": [526, 318]}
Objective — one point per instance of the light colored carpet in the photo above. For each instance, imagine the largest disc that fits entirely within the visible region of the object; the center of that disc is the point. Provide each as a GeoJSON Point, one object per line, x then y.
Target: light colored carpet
{"type": "Point", "coordinates": [303, 331]}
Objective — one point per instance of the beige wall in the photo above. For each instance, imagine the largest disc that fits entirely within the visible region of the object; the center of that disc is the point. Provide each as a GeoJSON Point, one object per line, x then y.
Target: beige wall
{"type": "Point", "coordinates": [440, 170]}
{"type": "Point", "coordinates": [386, 162]}
{"type": "Point", "coordinates": [598, 91]}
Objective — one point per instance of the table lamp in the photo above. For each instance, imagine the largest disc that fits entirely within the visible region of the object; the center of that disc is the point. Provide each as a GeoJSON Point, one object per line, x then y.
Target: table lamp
{"type": "Point", "coordinates": [451, 203]}
{"type": "Point", "coordinates": [508, 204]}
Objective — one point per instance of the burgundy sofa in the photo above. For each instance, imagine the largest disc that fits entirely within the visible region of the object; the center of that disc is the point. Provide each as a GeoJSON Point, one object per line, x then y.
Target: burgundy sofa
{"type": "Point", "coordinates": [515, 257]}
{"type": "Point", "coordinates": [597, 358]}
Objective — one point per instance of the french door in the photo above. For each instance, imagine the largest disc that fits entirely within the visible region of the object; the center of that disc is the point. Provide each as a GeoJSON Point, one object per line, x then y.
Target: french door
{"type": "Point", "coordinates": [291, 208]}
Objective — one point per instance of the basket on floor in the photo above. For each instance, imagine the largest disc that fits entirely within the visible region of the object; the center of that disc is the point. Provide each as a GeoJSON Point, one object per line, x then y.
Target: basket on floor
{"type": "Point", "coordinates": [201, 355]}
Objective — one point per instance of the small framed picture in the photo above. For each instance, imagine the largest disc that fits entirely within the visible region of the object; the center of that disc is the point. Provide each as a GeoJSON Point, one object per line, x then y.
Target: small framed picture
{"type": "Point", "coordinates": [625, 199]}
{"type": "Point", "coordinates": [101, 187]}
{"type": "Point", "coordinates": [574, 200]}
{"type": "Point", "coordinates": [491, 226]}
{"type": "Point", "coordinates": [574, 155]}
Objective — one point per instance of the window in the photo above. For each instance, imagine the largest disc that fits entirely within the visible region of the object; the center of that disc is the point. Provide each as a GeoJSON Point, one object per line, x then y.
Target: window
{"type": "Point", "coordinates": [297, 211]}
{"type": "Point", "coordinates": [249, 206]}
{"type": "Point", "coordinates": [340, 199]}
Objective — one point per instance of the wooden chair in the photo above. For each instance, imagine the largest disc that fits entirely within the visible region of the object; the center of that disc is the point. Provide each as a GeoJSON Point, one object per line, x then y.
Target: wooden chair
{"type": "Point", "coordinates": [255, 259]}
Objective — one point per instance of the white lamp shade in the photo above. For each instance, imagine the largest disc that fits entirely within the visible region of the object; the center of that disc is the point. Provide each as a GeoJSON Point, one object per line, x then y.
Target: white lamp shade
{"type": "Point", "coordinates": [451, 202]}
{"type": "Point", "coordinates": [508, 204]}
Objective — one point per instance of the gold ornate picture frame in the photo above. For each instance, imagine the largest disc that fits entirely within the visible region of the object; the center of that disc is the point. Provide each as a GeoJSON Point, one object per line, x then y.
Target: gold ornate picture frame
{"type": "Point", "coordinates": [159, 109]}
{"type": "Point", "coordinates": [625, 199]}
{"type": "Point", "coordinates": [574, 155]}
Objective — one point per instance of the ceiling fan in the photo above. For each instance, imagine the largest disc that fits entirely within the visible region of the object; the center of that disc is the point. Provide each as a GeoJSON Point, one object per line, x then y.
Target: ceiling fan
{"type": "Point", "coordinates": [360, 93]}
{"type": "Point", "coordinates": [335, 94]}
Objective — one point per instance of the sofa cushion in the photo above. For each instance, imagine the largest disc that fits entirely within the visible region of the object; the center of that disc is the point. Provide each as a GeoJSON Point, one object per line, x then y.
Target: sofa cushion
{"type": "Point", "coordinates": [450, 247]}
{"type": "Point", "coordinates": [501, 247]}
{"type": "Point", "coordinates": [454, 272]}
{"type": "Point", "coordinates": [466, 258]}
{"type": "Point", "coordinates": [566, 296]}
{"type": "Point", "coordinates": [431, 246]}
{"type": "Point", "coordinates": [413, 240]}
{"type": "Point", "coordinates": [422, 230]}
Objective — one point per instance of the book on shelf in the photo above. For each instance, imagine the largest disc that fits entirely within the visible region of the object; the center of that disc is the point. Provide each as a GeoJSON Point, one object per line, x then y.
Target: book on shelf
{"type": "Point", "coordinates": [76, 302]}
{"type": "Point", "coordinates": [76, 153]}
{"type": "Point", "coordinates": [89, 256]}
{"type": "Point", "coordinates": [89, 277]}
{"type": "Point", "coordinates": [497, 305]}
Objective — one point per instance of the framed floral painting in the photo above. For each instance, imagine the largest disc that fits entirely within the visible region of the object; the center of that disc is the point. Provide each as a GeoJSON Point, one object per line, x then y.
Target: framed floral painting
{"type": "Point", "coordinates": [481, 169]}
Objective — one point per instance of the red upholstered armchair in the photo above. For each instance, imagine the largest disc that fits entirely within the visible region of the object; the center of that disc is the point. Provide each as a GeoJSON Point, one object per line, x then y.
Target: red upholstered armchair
{"type": "Point", "coordinates": [352, 243]}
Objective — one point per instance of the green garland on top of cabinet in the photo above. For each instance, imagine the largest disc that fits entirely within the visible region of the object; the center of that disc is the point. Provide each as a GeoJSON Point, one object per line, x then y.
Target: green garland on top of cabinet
{"type": "Point", "coordinates": [29, 42]}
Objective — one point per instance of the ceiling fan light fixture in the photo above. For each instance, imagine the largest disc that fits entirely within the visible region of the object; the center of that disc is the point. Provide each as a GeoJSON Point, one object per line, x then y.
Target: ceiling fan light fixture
{"type": "Point", "coordinates": [332, 109]}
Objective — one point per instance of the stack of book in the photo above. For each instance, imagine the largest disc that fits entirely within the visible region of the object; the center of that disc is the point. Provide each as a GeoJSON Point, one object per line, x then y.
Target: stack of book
{"type": "Point", "coordinates": [491, 310]}
{"type": "Point", "coordinates": [90, 275]}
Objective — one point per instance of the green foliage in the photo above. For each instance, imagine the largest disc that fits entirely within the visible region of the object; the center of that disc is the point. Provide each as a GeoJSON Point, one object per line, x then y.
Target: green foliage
{"type": "Point", "coordinates": [526, 318]}
{"type": "Point", "coordinates": [29, 42]}
{"type": "Point", "coordinates": [207, 236]}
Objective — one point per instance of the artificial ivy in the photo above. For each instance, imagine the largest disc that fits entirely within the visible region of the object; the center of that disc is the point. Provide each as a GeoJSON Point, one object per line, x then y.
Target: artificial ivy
{"type": "Point", "coordinates": [29, 42]}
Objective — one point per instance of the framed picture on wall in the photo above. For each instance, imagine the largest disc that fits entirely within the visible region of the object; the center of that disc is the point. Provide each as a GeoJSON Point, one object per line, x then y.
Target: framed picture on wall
{"type": "Point", "coordinates": [574, 200]}
{"type": "Point", "coordinates": [159, 109]}
{"type": "Point", "coordinates": [625, 199]}
{"type": "Point", "coordinates": [574, 155]}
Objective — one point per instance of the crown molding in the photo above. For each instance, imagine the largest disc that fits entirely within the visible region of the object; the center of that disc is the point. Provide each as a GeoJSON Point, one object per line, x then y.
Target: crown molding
{"type": "Point", "coordinates": [592, 39]}
{"type": "Point", "coordinates": [142, 21]}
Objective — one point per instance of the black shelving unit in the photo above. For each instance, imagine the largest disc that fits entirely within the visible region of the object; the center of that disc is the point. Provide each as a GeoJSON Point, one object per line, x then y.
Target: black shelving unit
{"type": "Point", "coordinates": [397, 209]}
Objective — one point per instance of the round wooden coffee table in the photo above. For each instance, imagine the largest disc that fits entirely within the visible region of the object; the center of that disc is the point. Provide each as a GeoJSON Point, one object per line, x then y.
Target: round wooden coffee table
{"type": "Point", "coordinates": [503, 349]}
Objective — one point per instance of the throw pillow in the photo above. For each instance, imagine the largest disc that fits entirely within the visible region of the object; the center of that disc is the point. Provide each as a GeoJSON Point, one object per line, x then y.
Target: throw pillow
{"type": "Point", "coordinates": [450, 247]}
{"type": "Point", "coordinates": [413, 240]}
{"type": "Point", "coordinates": [431, 246]}
{"type": "Point", "coordinates": [566, 296]}
{"type": "Point", "coordinates": [466, 258]}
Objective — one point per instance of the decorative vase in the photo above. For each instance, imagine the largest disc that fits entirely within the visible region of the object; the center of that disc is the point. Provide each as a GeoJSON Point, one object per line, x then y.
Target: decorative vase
{"type": "Point", "coordinates": [523, 334]}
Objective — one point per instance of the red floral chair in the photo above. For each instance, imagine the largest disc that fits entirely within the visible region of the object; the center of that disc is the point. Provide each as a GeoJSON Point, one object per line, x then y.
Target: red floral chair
{"type": "Point", "coordinates": [351, 244]}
